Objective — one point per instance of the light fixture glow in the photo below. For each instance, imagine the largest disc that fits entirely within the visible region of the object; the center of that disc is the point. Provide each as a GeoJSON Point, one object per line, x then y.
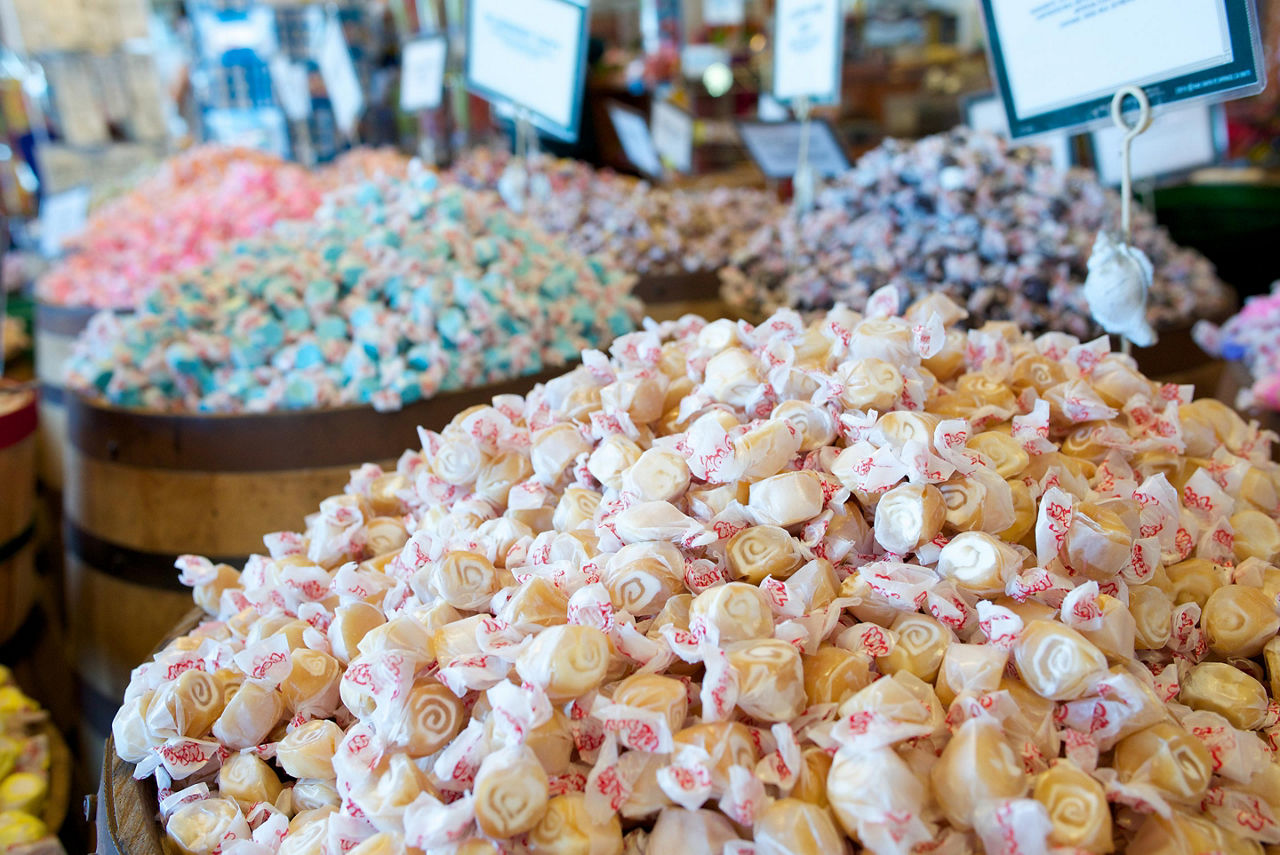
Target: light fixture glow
{"type": "Point", "coordinates": [718, 79]}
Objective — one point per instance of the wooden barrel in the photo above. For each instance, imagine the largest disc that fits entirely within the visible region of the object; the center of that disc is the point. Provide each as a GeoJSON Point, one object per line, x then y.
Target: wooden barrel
{"type": "Point", "coordinates": [143, 488]}
{"type": "Point", "coordinates": [125, 808]}
{"type": "Point", "coordinates": [1174, 353]}
{"type": "Point", "coordinates": [56, 328]}
{"type": "Point", "coordinates": [667, 297]}
{"type": "Point", "coordinates": [17, 508]}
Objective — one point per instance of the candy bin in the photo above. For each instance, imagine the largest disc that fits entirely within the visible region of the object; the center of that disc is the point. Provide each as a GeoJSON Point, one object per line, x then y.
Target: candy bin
{"type": "Point", "coordinates": [862, 583]}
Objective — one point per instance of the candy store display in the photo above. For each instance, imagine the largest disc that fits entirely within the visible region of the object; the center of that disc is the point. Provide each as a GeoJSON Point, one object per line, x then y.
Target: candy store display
{"type": "Point", "coordinates": [649, 230]}
{"type": "Point", "coordinates": [29, 812]}
{"type": "Point", "coordinates": [186, 211]}
{"type": "Point", "coordinates": [1251, 337]}
{"type": "Point", "coordinates": [781, 589]}
{"type": "Point", "coordinates": [997, 229]}
{"type": "Point", "coordinates": [400, 287]}
{"type": "Point", "coordinates": [360, 163]}
{"type": "Point", "coordinates": [175, 219]}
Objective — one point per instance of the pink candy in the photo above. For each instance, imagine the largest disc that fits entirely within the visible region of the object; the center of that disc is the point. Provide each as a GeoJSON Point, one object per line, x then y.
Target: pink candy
{"type": "Point", "coordinates": [184, 214]}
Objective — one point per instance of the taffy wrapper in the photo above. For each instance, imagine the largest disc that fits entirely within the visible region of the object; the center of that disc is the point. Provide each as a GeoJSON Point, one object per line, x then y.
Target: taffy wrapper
{"type": "Point", "coordinates": [686, 779]}
{"type": "Point", "coordinates": [1010, 826]}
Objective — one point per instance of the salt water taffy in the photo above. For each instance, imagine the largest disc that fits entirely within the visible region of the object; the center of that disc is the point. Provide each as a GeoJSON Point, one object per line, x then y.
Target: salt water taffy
{"type": "Point", "coordinates": [709, 614]}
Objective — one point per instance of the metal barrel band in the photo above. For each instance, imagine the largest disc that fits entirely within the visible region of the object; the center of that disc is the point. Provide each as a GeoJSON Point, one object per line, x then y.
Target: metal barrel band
{"type": "Point", "coordinates": [136, 566]}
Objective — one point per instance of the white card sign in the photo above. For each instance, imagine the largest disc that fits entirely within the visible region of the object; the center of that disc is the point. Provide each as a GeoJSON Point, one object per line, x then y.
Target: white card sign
{"type": "Point", "coordinates": [1177, 141]}
{"type": "Point", "coordinates": [770, 109]}
{"type": "Point", "coordinates": [62, 216]}
{"type": "Point", "coordinates": [533, 54]}
{"type": "Point", "coordinates": [986, 113]}
{"type": "Point", "coordinates": [422, 64]}
{"type": "Point", "coordinates": [293, 88]}
{"type": "Point", "coordinates": [1058, 63]}
{"type": "Point", "coordinates": [807, 46]}
{"type": "Point", "coordinates": [637, 142]}
{"type": "Point", "coordinates": [672, 130]}
{"type": "Point", "coordinates": [263, 128]}
{"type": "Point", "coordinates": [775, 147]}
{"type": "Point", "coordinates": [340, 79]}
{"type": "Point", "coordinates": [723, 13]}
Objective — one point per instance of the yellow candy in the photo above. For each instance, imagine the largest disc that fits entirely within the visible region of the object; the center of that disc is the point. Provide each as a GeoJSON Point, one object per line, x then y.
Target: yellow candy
{"type": "Point", "coordinates": [12, 700]}
{"type": "Point", "coordinates": [17, 828]}
{"type": "Point", "coordinates": [24, 791]}
{"type": "Point", "coordinates": [9, 751]}
{"type": "Point", "coordinates": [1077, 807]}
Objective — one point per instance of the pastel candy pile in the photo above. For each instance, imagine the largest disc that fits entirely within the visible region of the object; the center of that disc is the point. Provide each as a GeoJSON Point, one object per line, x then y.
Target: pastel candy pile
{"type": "Point", "coordinates": [649, 230]}
{"type": "Point", "coordinates": [177, 218]}
{"type": "Point", "coordinates": [397, 289]}
{"type": "Point", "coordinates": [1251, 337]}
{"type": "Point", "coordinates": [780, 589]}
{"type": "Point", "coordinates": [360, 163]}
{"type": "Point", "coordinates": [997, 229]}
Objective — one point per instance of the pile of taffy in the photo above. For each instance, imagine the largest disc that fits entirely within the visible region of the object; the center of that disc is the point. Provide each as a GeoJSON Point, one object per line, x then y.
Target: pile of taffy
{"type": "Point", "coordinates": [1250, 337]}
{"type": "Point", "coordinates": [649, 230]}
{"type": "Point", "coordinates": [175, 219]}
{"type": "Point", "coordinates": [189, 211]}
{"type": "Point", "coordinates": [871, 582]}
{"type": "Point", "coordinates": [397, 289]}
{"type": "Point", "coordinates": [999, 229]}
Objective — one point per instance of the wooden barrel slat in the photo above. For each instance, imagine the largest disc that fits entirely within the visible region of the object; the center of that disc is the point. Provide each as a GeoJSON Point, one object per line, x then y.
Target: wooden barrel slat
{"type": "Point", "coordinates": [113, 624]}
{"type": "Point", "coordinates": [227, 512]}
{"type": "Point", "coordinates": [55, 328]}
{"type": "Point", "coordinates": [126, 807]}
{"type": "Point", "coordinates": [669, 297]}
{"type": "Point", "coordinates": [696, 285]}
{"type": "Point", "coordinates": [17, 513]}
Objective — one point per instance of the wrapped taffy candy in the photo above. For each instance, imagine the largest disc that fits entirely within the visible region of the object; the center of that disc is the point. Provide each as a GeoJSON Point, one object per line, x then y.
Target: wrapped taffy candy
{"type": "Point", "coordinates": [649, 229]}
{"type": "Point", "coordinates": [690, 590]}
{"type": "Point", "coordinates": [998, 228]}
{"type": "Point", "coordinates": [396, 289]}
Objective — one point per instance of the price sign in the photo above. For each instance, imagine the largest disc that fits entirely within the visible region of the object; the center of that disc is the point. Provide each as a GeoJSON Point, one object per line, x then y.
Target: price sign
{"type": "Point", "coordinates": [293, 89]}
{"type": "Point", "coordinates": [807, 49]}
{"type": "Point", "coordinates": [722, 13]}
{"type": "Point", "coordinates": [775, 147]}
{"type": "Point", "coordinates": [1057, 63]}
{"type": "Point", "coordinates": [340, 79]}
{"type": "Point", "coordinates": [770, 109]}
{"type": "Point", "coordinates": [263, 128]}
{"type": "Point", "coordinates": [422, 63]}
{"type": "Point", "coordinates": [62, 216]}
{"type": "Point", "coordinates": [1178, 141]}
{"type": "Point", "coordinates": [637, 142]}
{"type": "Point", "coordinates": [986, 113]}
{"type": "Point", "coordinates": [672, 130]}
{"type": "Point", "coordinates": [533, 54]}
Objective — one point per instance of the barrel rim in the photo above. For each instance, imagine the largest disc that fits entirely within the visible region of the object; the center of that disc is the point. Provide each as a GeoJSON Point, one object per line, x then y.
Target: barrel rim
{"type": "Point", "coordinates": [274, 441]}
{"type": "Point", "coordinates": [19, 424]}
{"type": "Point", "coordinates": [60, 319]}
{"type": "Point", "coordinates": [127, 797]}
